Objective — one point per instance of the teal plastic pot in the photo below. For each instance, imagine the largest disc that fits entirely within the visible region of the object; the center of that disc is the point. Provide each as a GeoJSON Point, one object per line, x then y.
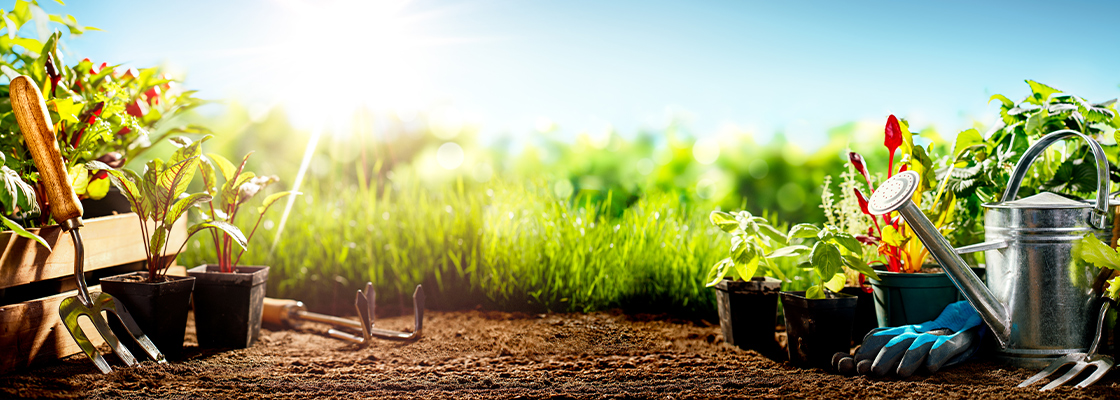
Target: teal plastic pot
{"type": "Point", "coordinates": [907, 299]}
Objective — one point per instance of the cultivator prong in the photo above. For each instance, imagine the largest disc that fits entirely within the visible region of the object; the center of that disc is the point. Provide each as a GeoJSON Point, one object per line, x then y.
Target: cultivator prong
{"type": "Point", "coordinates": [365, 304]}
{"type": "Point", "coordinates": [1080, 362]}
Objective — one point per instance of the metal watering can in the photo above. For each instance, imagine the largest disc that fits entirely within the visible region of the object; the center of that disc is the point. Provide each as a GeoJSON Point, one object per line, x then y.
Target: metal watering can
{"type": "Point", "coordinates": [1038, 301]}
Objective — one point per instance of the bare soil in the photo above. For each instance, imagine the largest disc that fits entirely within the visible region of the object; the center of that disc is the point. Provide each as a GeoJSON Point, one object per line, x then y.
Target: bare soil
{"type": "Point", "coordinates": [476, 354]}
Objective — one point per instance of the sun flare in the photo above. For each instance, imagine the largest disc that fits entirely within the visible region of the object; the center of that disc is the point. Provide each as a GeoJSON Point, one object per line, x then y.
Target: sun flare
{"type": "Point", "coordinates": [361, 54]}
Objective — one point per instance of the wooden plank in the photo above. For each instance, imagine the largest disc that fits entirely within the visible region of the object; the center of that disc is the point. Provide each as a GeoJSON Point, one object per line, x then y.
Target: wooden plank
{"type": "Point", "coordinates": [32, 332]}
{"type": "Point", "coordinates": [109, 241]}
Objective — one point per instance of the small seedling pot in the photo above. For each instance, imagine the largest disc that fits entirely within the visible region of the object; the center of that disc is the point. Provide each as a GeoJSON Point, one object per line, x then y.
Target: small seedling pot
{"type": "Point", "coordinates": [817, 328]}
{"type": "Point", "coordinates": [907, 299]}
{"type": "Point", "coordinates": [748, 311]}
{"type": "Point", "coordinates": [159, 309]}
{"type": "Point", "coordinates": [865, 319]}
{"type": "Point", "coordinates": [228, 306]}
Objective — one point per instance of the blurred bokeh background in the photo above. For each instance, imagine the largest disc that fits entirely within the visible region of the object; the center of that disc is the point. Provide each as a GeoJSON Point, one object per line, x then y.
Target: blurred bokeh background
{"type": "Point", "coordinates": [564, 155]}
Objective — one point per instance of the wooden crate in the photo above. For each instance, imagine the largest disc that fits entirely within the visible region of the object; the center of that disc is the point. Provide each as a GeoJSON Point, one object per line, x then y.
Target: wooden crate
{"type": "Point", "coordinates": [31, 331]}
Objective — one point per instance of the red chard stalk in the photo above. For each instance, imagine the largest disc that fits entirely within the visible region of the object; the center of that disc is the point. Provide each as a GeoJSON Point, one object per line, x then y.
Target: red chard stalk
{"type": "Point", "coordinates": [892, 139]}
{"type": "Point", "coordinates": [863, 207]}
{"type": "Point", "coordinates": [857, 161]}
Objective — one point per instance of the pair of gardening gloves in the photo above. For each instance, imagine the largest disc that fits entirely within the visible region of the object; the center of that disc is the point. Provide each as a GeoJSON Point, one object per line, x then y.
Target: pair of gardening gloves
{"type": "Point", "coordinates": [950, 339]}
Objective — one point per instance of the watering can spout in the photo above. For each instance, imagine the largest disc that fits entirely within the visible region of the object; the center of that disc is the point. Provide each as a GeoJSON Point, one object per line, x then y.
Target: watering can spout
{"type": "Point", "coordinates": [895, 195]}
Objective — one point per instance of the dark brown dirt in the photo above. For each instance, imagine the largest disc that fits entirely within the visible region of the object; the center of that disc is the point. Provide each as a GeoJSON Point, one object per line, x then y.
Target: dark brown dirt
{"type": "Point", "coordinates": [500, 355]}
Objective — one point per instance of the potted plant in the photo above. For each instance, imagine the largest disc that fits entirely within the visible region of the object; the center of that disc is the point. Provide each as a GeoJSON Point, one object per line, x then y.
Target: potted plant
{"type": "Point", "coordinates": [819, 320]}
{"type": "Point", "coordinates": [748, 303]}
{"type": "Point", "coordinates": [158, 302]}
{"type": "Point", "coordinates": [907, 290]}
{"type": "Point", "coordinates": [229, 297]}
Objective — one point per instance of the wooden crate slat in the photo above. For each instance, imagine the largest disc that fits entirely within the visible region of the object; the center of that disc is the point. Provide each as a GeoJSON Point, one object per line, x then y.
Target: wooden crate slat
{"type": "Point", "coordinates": [32, 332]}
{"type": "Point", "coordinates": [109, 241]}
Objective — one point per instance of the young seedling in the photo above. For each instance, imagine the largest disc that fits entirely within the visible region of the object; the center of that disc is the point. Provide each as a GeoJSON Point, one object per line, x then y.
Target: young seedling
{"type": "Point", "coordinates": [754, 241]}
{"type": "Point", "coordinates": [238, 188]}
{"type": "Point", "coordinates": [827, 257]}
{"type": "Point", "coordinates": [160, 196]}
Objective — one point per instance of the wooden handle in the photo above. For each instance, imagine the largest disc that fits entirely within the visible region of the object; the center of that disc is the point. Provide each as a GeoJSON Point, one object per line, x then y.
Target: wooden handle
{"type": "Point", "coordinates": [276, 311]}
{"type": "Point", "coordinates": [38, 133]}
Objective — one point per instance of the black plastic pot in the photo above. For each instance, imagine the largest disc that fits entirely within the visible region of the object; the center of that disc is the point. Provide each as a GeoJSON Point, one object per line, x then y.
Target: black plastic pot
{"type": "Point", "coordinates": [747, 313]}
{"type": "Point", "coordinates": [864, 320]}
{"type": "Point", "coordinates": [228, 306]}
{"type": "Point", "coordinates": [113, 203]}
{"type": "Point", "coordinates": [160, 309]}
{"type": "Point", "coordinates": [817, 328]}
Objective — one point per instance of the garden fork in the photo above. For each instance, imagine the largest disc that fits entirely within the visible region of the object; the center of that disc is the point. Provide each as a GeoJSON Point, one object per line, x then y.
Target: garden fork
{"type": "Point", "coordinates": [38, 132]}
{"type": "Point", "coordinates": [1080, 362]}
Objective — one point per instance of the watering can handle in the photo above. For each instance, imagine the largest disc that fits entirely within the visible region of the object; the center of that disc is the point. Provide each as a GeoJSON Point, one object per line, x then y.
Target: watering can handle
{"type": "Point", "coordinates": [1100, 211]}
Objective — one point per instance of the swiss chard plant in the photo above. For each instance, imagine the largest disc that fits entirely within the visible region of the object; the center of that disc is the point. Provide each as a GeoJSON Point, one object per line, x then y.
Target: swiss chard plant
{"type": "Point", "coordinates": [159, 195]}
{"type": "Point", "coordinates": [832, 253]}
{"type": "Point", "coordinates": [237, 187]}
{"type": "Point", "coordinates": [889, 232]}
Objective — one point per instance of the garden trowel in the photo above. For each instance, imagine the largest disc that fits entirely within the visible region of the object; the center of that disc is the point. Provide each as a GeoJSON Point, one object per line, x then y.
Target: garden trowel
{"type": "Point", "coordinates": [38, 133]}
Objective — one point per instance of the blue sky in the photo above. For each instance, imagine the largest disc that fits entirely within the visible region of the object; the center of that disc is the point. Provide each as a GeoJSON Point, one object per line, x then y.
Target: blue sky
{"type": "Point", "coordinates": [796, 67]}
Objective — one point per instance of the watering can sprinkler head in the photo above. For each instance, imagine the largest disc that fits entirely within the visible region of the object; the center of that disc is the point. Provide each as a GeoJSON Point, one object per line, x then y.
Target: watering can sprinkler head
{"type": "Point", "coordinates": [895, 195]}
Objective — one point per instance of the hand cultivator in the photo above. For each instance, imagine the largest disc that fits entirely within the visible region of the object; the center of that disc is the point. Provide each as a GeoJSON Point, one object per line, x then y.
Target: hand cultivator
{"type": "Point", "coordinates": [34, 121]}
{"type": "Point", "coordinates": [290, 313]}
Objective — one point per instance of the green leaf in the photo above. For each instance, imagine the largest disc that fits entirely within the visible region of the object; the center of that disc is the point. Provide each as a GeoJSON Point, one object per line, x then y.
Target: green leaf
{"type": "Point", "coordinates": [209, 178]}
{"type": "Point", "coordinates": [966, 139]}
{"type": "Point", "coordinates": [848, 241]}
{"type": "Point", "coordinates": [230, 192]}
{"type": "Point", "coordinates": [182, 205]}
{"type": "Point", "coordinates": [268, 201]}
{"type": "Point", "coordinates": [836, 283]}
{"type": "Point", "coordinates": [803, 231]}
{"type": "Point", "coordinates": [718, 272]}
{"type": "Point", "coordinates": [230, 231]}
{"type": "Point", "coordinates": [158, 240]}
{"type": "Point", "coordinates": [892, 237]}
{"type": "Point", "coordinates": [1113, 291]}
{"type": "Point", "coordinates": [173, 181]}
{"type": "Point", "coordinates": [1007, 103]}
{"type": "Point", "coordinates": [857, 264]}
{"type": "Point", "coordinates": [826, 259]}
{"type": "Point", "coordinates": [227, 169]}
{"type": "Point", "coordinates": [79, 179]}
{"type": "Point", "coordinates": [1040, 93]}
{"type": "Point", "coordinates": [746, 270]}
{"type": "Point", "coordinates": [773, 234]}
{"type": "Point", "coordinates": [17, 193]}
{"type": "Point", "coordinates": [788, 251]}
{"type": "Point", "coordinates": [1093, 251]}
{"type": "Point", "coordinates": [250, 189]}
{"type": "Point", "coordinates": [126, 181]}
{"type": "Point", "coordinates": [814, 292]}
{"type": "Point", "coordinates": [98, 188]}
{"type": "Point", "coordinates": [18, 230]}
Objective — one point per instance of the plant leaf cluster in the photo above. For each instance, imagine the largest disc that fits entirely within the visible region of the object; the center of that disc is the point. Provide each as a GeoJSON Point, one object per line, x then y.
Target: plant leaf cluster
{"type": "Point", "coordinates": [754, 243]}
{"type": "Point", "coordinates": [159, 195]}
{"type": "Point", "coordinates": [1090, 249]}
{"type": "Point", "coordinates": [237, 187]}
{"type": "Point", "coordinates": [833, 251]}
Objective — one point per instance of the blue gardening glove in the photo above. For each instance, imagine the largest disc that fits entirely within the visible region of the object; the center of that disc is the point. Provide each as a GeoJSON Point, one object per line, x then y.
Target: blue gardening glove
{"type": "Point", "coordinates": [950, 339]}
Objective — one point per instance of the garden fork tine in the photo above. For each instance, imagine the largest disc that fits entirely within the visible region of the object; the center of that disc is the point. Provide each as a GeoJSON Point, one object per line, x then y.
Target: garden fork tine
{"type": "Point", "coordinates": [1080, 362]}
{"type": "Point", "coordinates": [38, 133]}
{"type": "Point", "coordinates": [367, 298]}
